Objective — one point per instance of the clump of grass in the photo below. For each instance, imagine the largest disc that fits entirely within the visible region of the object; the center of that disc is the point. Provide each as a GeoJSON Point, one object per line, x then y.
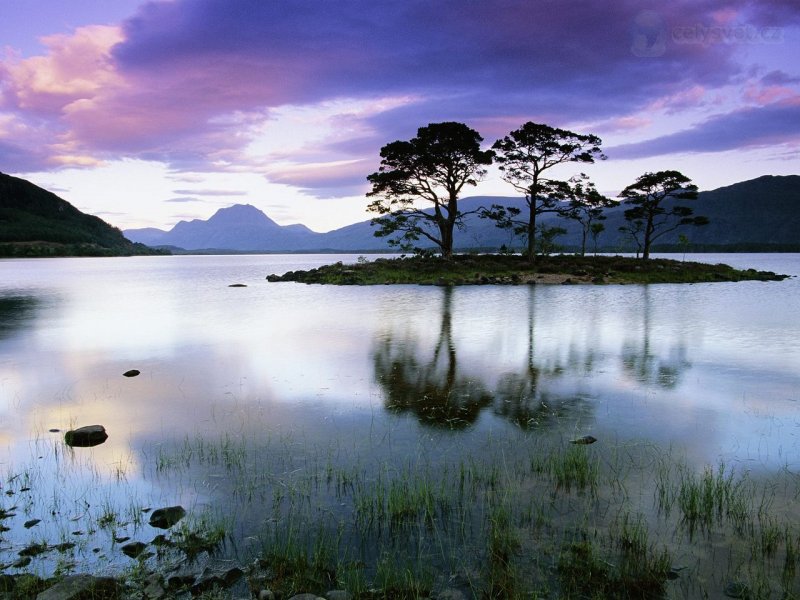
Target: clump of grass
{"type": "Point", "coordinates": [704, 499]}
{"type": "Point", "coordinates": [503, 542]}
{"type": "Point", "coordinates": [583, 573]}
{"type": "Point", "coordinates": [397, 580]}
{"type": "Point", "coordinates": [574, 466]}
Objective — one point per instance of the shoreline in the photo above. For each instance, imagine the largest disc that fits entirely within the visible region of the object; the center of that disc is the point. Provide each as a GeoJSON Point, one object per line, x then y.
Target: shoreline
{"type": "Point", "coordinates": [494, 269]}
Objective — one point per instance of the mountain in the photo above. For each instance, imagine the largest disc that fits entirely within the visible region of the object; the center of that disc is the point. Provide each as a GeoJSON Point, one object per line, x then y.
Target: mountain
{"type": "Point", "coordinates": [761, 212]}
{"type": "Point", "coordinates": [240, 227]}
{"type": "Point", "coordinates": [35, 222]}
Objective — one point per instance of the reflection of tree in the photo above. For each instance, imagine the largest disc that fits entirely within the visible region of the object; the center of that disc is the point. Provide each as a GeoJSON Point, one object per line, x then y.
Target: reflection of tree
{"type": "Point", "coordinates": [15, 312]}
{"type": "Point", "coordinates": [522, 396]}
{"type": "Point", "coordinates": [432, 389]}
{"type": "Point", "coordinates": [641, 363]}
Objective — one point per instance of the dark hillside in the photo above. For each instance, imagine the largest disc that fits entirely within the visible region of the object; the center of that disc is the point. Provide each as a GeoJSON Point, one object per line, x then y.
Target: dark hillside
{"type": "Point", "coordinates": [34, 221]}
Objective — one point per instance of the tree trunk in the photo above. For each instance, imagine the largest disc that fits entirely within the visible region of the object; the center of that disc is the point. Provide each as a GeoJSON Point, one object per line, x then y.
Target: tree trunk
{"type": "Point", "coordinates": [532, 234]}
{"type": "Point", "coordinates": [648, 233]}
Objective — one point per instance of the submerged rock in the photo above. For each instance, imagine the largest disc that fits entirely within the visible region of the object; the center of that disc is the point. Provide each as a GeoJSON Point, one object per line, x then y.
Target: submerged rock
{"type": "Point", "coordinates": [86, 437]}
{"type": "Point", "coordinates": [133, 549]}
{"type": "Point", "coordinates": [78, 587]}
{"type": "Point", "coordinates": [164, 518]}
{"type": "Point", "coordinates": [131, 373]}
{"type": "Point", "coordinates": [586, 439]}
{"type": "Point", "coordinates": [736, 589]}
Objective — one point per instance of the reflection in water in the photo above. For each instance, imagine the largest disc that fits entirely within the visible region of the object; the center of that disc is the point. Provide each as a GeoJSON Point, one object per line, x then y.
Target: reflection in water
{"type": "Point", "coordinates": [15, 313]}
{"type": "Point", "coordinates": [433, 389]}
{"type": "Point", "coordinates": [523, 398]}
{"type": "Point", "coordinates": [639, 360]}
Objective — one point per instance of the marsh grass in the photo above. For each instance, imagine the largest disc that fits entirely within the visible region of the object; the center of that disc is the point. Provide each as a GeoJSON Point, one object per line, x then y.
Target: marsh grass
{"type": "Point", "coordinates": [512, 518]}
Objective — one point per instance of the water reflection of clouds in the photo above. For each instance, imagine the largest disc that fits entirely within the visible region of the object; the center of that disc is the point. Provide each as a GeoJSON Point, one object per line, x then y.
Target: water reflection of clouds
{"type": "Point", "coordinates": [201, 344]}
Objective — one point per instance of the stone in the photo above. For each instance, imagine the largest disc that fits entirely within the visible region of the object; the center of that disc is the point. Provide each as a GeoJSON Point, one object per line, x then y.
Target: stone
{"type": "Point", "coordinates": [164, 518]}
{"type": "Point", "coordinates": [33, 550]}
{"type": "Point", "coordinates": [238, 285]}
{"type": "Point", "coordinates": [266, 595]}
{"type": "Point", "coordinates": [154, 588]}
{"type": "Point", "coordinates": [338, 595]}
{"type": "Point", "coordinates": [451, 594]}
{"type": "Point", "coordinates": [306, 597]}
{"type": "Point", "coordinates": [86, 437]}
{"type": "Point", "coordinates": [222, 576]}
{"type": "Point", "coordinates": [586, 439]}
{"type": "Point", "coordinates": [133, 549]}
{"type": "Point", "coordinates": [131, 373]}
{"type": "Point", "coordinates": [736, 589]}
{"type": "Point", "coordinates": [31, 523]}
{"type": "Point", "coordinates": [83, 587]}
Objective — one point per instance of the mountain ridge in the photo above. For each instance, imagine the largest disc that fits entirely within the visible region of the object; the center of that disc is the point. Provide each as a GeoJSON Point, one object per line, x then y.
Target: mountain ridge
{"type": "Point", "coordinates": [764, 210]}
{"type": "Point", "coordinates": [36, 222]}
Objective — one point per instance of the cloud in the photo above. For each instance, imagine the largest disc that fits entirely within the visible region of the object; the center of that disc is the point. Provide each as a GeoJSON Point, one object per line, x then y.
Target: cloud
{"type": "Point", "coordinates": [211, 192]}
{"type": "Point", "coordinates": [346, 177]}
{"type": "Point", "coordinates": [183, 199]}
{"type": "Point", "coordinates": [745, 128]}
{"type": "Point", "coordinates": [190, 83]}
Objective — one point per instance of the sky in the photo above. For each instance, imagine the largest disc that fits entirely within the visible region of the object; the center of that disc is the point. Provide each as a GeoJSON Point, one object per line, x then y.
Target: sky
{"type": "Point", "coordinates": [148, 113]}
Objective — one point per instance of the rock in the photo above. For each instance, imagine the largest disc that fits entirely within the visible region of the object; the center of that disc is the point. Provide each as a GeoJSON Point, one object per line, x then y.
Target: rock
{"type": "Point", "coordinates": [86, 437]}
{"type": "Point", "coordinates": [306, 597]}
{"type": "Point", "coordinates": [222, 576]}
{"type": "Point", "coordinates": [83, 587]}
{"type": "Point", "coordinates": [54, 430]}
{"type": "Point", "coordinates": [154, 590]}
{"type": "Point", "coordinates": [22, 562]}
{"type": "Point", "coordinates": [338, 595]}
{"type": "Point", "coordinates": [31, 523]}
{"type": "Point", "coordinates": [238, 285]}
{"type": "Point", "coordinates": [33, 550]}
{"type": "Point", "coordinates": [266, 595]}
{"type": "Point", "coordinates": [451, 594]}
{"type": "Point", "coordinates": [586, 439]}
{"type": "Point", "coordinates": [133, 549]}
{"type": "Point", "coordinates": [164, 518]}
{"type": "Point", "coordinates": [273, 278]}
{"type": "Point", "coordinates": [131, 373]}
{"type": "Point", "coordinates": [64, 546]}
{"type": "Point", "coordinates": [736, 589]}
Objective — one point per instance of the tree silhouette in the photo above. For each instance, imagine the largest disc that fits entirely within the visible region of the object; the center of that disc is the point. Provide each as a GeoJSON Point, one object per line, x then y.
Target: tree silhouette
{"type": "Point", "coordinates": [652, 215]}
{"type": "Point", "coordinates": [586, 206]}
{"type": "Point", "coordinates": [525, 156]}
{"type": "Point", "coordinates": [433, 168]}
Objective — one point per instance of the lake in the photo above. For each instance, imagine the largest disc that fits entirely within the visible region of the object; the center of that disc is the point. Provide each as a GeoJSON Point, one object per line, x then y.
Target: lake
{"type": "Point", "coordinates": [280, 411]}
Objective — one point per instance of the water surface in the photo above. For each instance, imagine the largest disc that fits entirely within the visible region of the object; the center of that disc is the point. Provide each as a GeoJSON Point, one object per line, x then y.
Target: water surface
{"type": "Point", "coordinates": [321, 378]}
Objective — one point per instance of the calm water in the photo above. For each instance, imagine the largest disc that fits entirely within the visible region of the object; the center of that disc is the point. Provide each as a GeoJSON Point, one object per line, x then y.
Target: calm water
{"type": "Point", "coordinates": [326, 377]}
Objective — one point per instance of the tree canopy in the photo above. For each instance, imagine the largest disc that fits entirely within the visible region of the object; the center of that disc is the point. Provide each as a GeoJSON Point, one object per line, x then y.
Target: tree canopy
{"type": "Point", "coordinates": [431, 169]}
{"type": "Point", "coordinates": [525, 156]}
{"type": "Point", "coordinates": [653, 211]}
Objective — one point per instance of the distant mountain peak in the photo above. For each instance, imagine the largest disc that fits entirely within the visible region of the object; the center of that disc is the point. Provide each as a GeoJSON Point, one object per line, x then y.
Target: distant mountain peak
{"type": "Point", "coordinates": [241, 214]}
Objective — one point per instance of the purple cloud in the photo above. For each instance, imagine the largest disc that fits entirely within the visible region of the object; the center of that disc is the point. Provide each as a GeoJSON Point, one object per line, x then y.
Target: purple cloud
{"type": "Point", "coordinates": [749, 127]}
{"type": "Point", "coordinates": [185, 82]}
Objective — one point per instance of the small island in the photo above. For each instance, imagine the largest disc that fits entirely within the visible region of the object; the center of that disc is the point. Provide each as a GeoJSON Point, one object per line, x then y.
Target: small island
{"type": "Point", "coordinates": [514, 269]}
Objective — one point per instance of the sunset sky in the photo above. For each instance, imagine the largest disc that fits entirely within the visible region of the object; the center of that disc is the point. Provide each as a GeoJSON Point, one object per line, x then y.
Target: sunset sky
{"type": "Point", "coordinates": [146, 113]}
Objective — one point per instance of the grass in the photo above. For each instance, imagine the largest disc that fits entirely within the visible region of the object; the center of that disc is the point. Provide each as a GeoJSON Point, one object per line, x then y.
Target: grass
{"type": "Point", "coordinates": [471, 269]}
{"type": "Point", "coordinates": [522, 516]}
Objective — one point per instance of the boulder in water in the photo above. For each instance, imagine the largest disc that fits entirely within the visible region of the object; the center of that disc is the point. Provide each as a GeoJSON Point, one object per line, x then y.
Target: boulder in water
{"type": "Point", "coordinates": [86, 437]}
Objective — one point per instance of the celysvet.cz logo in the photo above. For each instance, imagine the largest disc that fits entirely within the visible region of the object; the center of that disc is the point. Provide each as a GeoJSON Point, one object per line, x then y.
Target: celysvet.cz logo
{"type": "Point", "coordinates": [726, 34]}
{"type": "Point", "coordinates": [651, 35]}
